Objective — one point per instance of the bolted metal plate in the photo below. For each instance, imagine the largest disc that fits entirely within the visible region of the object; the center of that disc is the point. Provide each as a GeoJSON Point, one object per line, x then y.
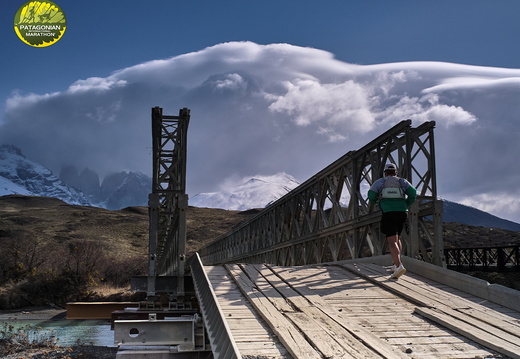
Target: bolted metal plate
{"type": "Point", "coordinates": [172, 331]}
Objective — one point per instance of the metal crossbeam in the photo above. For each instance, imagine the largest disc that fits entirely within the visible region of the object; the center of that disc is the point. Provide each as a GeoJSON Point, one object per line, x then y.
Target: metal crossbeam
{"type": "Point", "coordinates": [328, 218]}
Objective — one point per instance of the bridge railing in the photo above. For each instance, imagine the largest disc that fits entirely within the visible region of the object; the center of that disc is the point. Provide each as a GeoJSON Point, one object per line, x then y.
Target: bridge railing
{"type": "Point", "coordinates": [328, 217]}
{"type": "Point", "coordinates": [503, 258]}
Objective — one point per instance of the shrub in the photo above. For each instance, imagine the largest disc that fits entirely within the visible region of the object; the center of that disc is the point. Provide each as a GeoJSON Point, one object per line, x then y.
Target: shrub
{"type": "Point", "coordinates": [35, 273]}
{"type": "Point", "coordinates": [14, 340]}
{"type": "Point", "coordinates": [118, 273]}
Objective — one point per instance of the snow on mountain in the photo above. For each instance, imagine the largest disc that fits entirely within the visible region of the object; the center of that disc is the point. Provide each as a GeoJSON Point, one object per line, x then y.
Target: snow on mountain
{"type": "Point", "coordinates": [19, 175]}
{"type": "Point", "coordinates": [125, 189]}
{"type": "Point", "coordinates": [8, 187]}
{"type": "Point", "coordinates": [117, 190]}
{"type": "Point", "coordinates": [260, 191]}
{"type": "Point", "coordinates": [256, 192]}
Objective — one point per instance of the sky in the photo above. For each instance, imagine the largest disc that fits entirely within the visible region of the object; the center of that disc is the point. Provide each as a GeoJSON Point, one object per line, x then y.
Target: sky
{"type": "Point", "coordinates": [273, 86]}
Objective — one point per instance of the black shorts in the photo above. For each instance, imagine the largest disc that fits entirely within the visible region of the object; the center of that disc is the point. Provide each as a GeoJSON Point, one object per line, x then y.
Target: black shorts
{"type": "Point", "coordinates": [392, 223]}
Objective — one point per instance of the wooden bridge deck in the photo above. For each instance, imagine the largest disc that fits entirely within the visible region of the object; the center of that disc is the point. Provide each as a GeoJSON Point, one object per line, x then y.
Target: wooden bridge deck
{"type": "Point", "coordinates": [355, 311]}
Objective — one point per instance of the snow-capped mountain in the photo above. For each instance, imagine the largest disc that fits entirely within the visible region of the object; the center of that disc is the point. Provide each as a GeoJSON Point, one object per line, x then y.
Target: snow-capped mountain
{"type": "Point", "coordinates": [256, 192]}
{"type": "Point", "coordinates": [260, 191]}
{"type": "Point", "coordinates": [117, 190]}
{"type": "Point", "coordinates": [19, 175]}
{"type": "Point", "coordinates": [125, 189]}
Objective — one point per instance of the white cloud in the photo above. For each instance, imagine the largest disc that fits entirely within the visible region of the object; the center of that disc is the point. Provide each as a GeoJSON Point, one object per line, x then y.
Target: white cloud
{"type": "Point", "coordinates": [426, 108]}
{"type": "Point", "coordinates": [274, 108]}
{"type": "Point", "coordinates": [230, 82]}
{"type": "Point", "coordinates": [343, 107]}
{"type": "Point", "coordinates": [470, 83]}
{"type": "Point", "coordinates": [95, 84]}
{"type": "Point", "coordinates": [501, 204]}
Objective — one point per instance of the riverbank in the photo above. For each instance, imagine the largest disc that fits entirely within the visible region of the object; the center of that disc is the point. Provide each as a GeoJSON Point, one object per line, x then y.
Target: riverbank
{"type": "Point", "coordinates": [77, 352]}
{"type": "Point", "coordinates": [48, 314]}
{"type": "Point", "coordinates": [33, 313]}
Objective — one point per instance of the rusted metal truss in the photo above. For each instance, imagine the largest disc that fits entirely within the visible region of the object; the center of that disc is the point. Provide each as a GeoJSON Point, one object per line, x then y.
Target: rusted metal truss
{"type": "Point", "coordinates": [168, 201]}
{"type": "Point", "coordinates": [328, 218]}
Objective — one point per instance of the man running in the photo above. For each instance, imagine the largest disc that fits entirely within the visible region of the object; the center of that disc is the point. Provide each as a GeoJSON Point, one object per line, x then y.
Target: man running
{"type": "Point", "coordinates": [395, 195]}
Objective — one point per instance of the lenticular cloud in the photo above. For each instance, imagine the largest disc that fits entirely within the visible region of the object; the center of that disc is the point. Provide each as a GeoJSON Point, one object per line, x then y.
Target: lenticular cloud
{"type": "Point", "coordinates": [274, 108]}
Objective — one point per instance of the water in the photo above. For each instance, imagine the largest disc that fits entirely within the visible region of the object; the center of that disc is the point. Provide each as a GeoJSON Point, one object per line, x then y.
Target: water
{"type": "Point", "coordinates": [71, 332]}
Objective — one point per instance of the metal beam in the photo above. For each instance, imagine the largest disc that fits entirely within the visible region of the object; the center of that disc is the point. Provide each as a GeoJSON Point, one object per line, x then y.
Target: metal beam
{"type": "Point", "coordinates": [219, 334]}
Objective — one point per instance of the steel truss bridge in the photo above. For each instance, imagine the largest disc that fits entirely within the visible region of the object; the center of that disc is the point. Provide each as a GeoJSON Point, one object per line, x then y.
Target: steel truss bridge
{"type": "Point", "coordinates": [327, 219]}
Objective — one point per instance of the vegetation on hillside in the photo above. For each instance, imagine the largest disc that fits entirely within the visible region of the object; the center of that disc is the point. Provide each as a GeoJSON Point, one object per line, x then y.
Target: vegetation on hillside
{"type": "Point", "coordinates": [52, 253]}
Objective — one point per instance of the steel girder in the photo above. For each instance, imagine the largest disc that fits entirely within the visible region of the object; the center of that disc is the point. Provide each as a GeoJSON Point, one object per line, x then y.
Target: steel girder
{"type": "Point", "coordinates": [328, 218]}
{"type": "Point", "coordinates": [168, 201]}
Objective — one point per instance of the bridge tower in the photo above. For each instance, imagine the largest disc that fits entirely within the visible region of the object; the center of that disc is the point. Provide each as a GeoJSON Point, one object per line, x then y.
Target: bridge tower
{"type": "Point", "coordinates": [168, 203]}
{"type": "Point", "coordinates": [169, 318]}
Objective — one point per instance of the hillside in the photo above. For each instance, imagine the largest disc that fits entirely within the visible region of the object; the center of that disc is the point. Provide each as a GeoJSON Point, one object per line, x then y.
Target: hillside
{"type": "Point", "coordinates": [48, 246]}
{"type": "Point", "coordinates": [52, 253]}
{"type": "Point", "coordinates": [124, 232]}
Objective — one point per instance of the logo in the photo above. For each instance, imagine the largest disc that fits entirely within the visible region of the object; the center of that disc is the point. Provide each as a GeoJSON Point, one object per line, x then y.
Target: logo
{"type": "Point", "coordinates": [40, 23]}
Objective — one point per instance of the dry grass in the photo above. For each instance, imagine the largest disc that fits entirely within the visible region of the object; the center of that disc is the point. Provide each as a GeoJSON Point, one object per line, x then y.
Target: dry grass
{"type": "Point", "coordinates": [123, 232]}
{"type": "Point", "coordinates": [458, 235]}
{"type": "Point", "coordinates": [52, 247]}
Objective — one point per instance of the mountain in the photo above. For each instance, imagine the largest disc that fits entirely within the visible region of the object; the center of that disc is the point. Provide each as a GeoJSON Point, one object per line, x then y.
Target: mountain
{"type": "Point", "coordinates": [256, 192]}
{"type": "Point", "coordinates": [117, 190]}
{"type": "Point", "coordinates": [125, 189]}
{"type": "Point", "coordinates": [260, 191]}
{"type": "Point", "coordinates": [19, 175]}
{"type": "Point", "coordinates": [459, 213]}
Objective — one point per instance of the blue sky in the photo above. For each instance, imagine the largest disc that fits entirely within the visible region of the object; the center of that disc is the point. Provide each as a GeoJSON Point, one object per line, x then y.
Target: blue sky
{"type": "Point", "coordinates": [87, 98]}
{"type": "Point", "coordinates": [104, 36]}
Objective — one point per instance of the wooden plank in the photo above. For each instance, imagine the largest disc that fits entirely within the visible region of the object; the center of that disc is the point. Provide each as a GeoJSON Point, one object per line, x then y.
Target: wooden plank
{"type": "Point", "coordinates": [267, 288]}
{"type": "Point", "coordinates": [249, 331]}
{"type": "Point", "coordinates": [469, 331]}
{"type": "Point", "coordinates": [354, 329]}
{"type": "Point", "coordinates": [308, 321]}
{"type": "Point", "coordinates": [293, 341]}
{"type": "Point", "coordinates": [491, 317]}
{"type": "Point", "coordinates": [391, 323]}
{"type": "Point", "coordinates": [329, 347]}
{"type": "Point", "coordinates": [428, 340]}
{"type": "Point", "coordinates": [339, 341]}
{"type": "Point", "coordinates": [426, 298]}
{"type": "Point", "coordinates": [468, 304]}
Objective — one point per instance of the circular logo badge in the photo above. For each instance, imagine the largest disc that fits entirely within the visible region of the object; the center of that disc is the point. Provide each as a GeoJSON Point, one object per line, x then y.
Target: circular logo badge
{"type": "Point", "coordinates": [40, 23]}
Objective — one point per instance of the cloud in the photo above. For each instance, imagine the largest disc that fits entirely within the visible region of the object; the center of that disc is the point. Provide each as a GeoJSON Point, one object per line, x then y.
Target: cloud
{"type": "Point", "coordinates": [501, 204]}
{"type": "Point", "coordinates": [277, 108]}
{"type": "Point", "coordinates": [95, 84]}
{"type": "Point", "coordinates": [337, 109]}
